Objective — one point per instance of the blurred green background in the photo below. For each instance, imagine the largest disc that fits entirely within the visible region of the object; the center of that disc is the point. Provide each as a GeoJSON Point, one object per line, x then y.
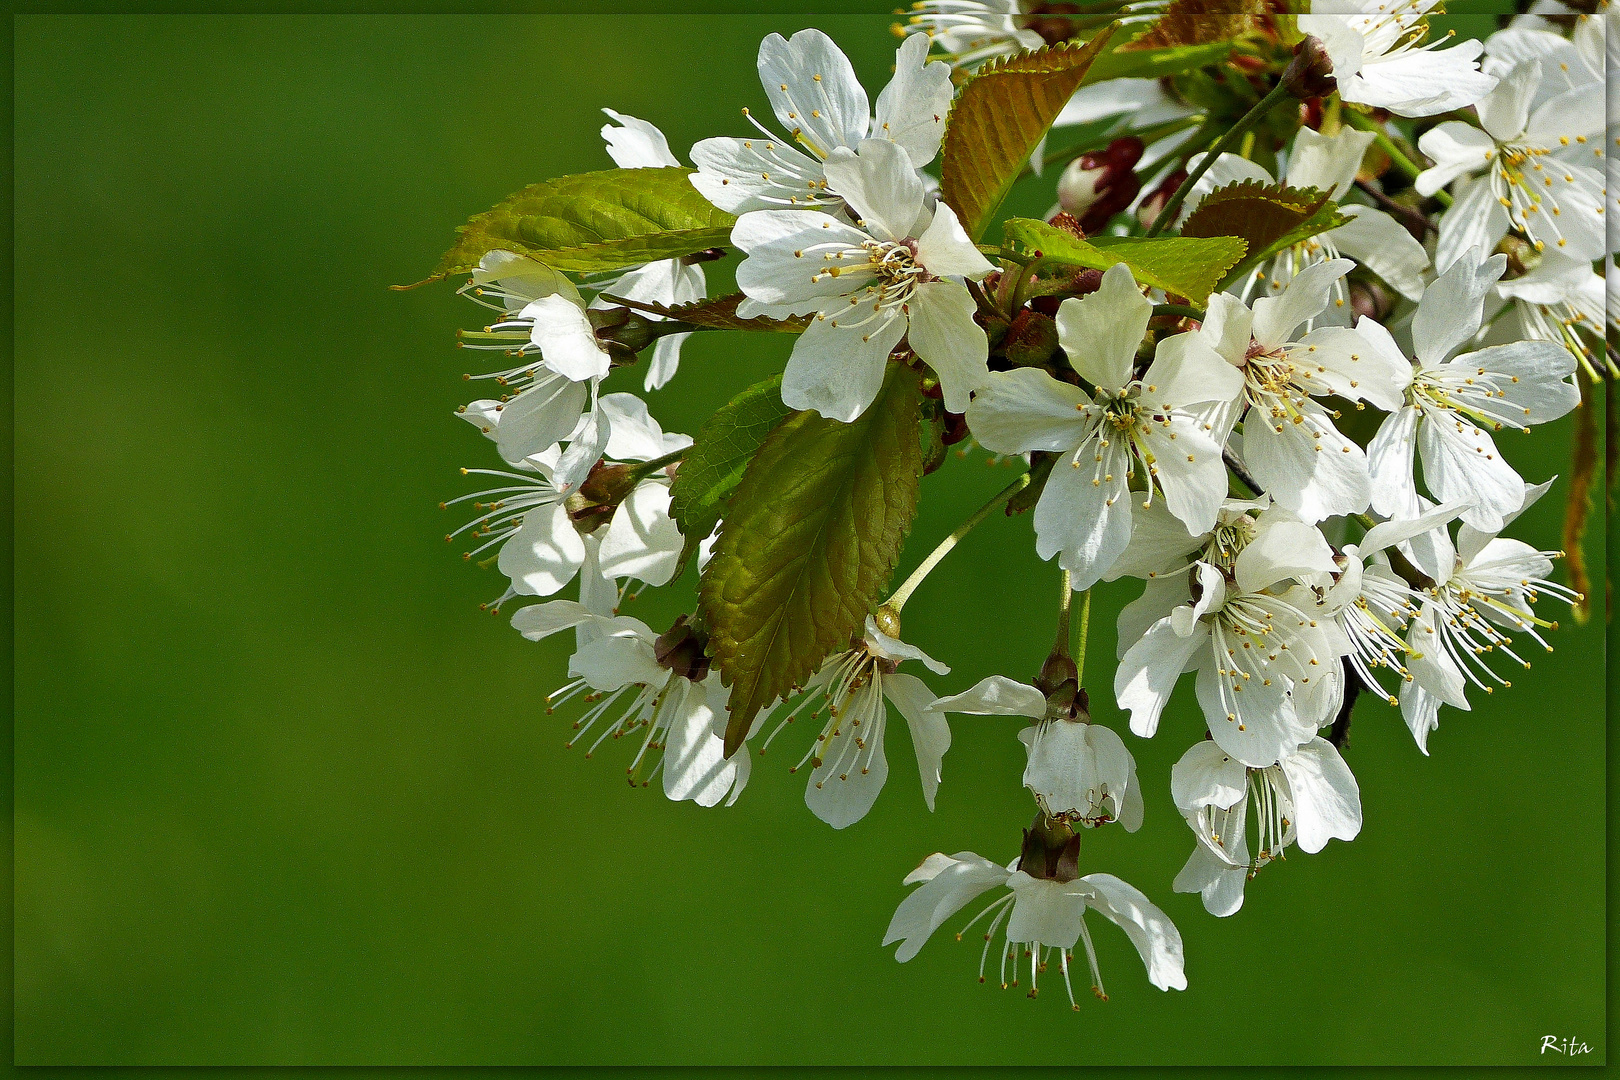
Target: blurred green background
{"type": "Point", "coordinates": [283, 794]}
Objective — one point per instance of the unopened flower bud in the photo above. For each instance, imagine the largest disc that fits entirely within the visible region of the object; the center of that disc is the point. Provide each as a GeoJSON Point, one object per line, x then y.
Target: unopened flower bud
{"type": "Point", "coordinates": [1099, 185]}
{"type": "Point", "coordinates": [1152, 206]}
{"type": "Point", "coordinates": [1310, 73]}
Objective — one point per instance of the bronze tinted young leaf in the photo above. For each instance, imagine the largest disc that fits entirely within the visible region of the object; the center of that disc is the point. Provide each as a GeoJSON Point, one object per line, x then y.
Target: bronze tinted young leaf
{"type": "Point", "coordinates": [595, 221]}
{"type": "Point", "coordinates": [999, 118]}
{"type": "Point", "coordinates": [810, 537]}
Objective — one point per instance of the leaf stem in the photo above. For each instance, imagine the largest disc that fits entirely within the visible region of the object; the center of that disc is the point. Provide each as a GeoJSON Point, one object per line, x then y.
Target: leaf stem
{"type": "Point", "coordinates": [647, 468]}
{"type": "Point", "coordinates": [1082, 634]}
{"type": "Point", "coordinates": [1230, 139]}
{"type": "Point", "coordinates": [909, 586]}
{"type": "Point", "coordinates": [1396, 155]}
{"type": "Point", "coordinates": [1065, 600]}
{"type": "Point", "coordinates": [1179, 310]}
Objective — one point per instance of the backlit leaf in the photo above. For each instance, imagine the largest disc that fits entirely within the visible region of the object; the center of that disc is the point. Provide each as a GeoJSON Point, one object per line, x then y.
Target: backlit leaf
{"type": "Point", "coordinates": [714, 463]}
{"type": "Point", "coordinates": [1199, 22]}
{"type": "Point", "coordinates": [1185, 266]}
{"type": "Point", "coordinates": [810, 537]}
{"type": "Point", "coordinates": [596, 221]}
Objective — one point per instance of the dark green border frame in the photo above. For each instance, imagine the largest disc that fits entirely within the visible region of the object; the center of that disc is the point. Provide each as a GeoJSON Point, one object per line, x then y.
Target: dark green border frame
{"type": "Point", "coordinates": [7, 507]}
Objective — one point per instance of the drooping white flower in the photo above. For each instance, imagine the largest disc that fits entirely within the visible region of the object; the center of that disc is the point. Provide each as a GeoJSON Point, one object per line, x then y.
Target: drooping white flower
{"type": "Point", "coordinates": [868, 285]}
{"type": "Point", "coordinates": [1041, 916]}
{"type": "Point", "coordinates": [677, 710]}
{"type": "Point", "coordinates": [1559, 300]}
{"type": "Point", "coordinates": [1290, 442]}
{"type": "Point", "coordinates": [1469, 613]}
{"type": "Point", "coordinates": [1267, 658]}
{"type": "Point", "coordinates": [1126, 423]}
{"type": "Point", "coordinates": [1379, 59]}
{"type": "Point", "coordinates": [544, 544]}
{"type": "Point", "coordinates": [636, 144]}
{"type": "Point", "coordinates": [817, 98]}
{"type": "Point", "coordinates": [1078, 771]}
{"type": "Point", "coordinates": [1527, 184]}
{"type": "Point", "coordinates": [1372, 238]}
{"type": "Point", "coordinates": [1452, 400]}
{"type": "Point", "coordinates": [1306, 798]}
{"type": "Point", "coordinates": [848, 766]}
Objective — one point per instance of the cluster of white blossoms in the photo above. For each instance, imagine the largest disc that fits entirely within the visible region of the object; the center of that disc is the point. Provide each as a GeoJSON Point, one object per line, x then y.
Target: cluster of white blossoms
{"type": "Point", "coordinates": [1303, 465]}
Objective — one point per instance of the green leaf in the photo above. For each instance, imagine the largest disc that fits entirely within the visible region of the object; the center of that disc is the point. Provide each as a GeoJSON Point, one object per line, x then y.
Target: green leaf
{"type": "Point", "coordinates": [999, 118]}
{"type": "Point", "coordinates": [717, 313]}
{"type": "Point", "coordinates": [1124, 62]}
{"type": "Point", "coordinates": [1181, 265]}
{"type": "Point", "coordinates": [810, 537]}
{"type": "Point", "coordinates": [595, 221]}
{"type": "Point", "coordinates": [714, 463]}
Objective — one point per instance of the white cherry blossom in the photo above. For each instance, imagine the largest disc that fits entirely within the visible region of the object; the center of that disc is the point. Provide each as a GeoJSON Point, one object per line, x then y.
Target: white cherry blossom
{"type": "Point", "coordinates": [1078, 771]}
{"type": "Point", "coordinates": [1103, 437]}
{"type": "Point", "coordinates": [1469, 614]}
{"type": "Point", "coordinates": [1290, 442]}
{"type": "Point", "coordinates": [1378, 58]}
{"type": "Point", "coordinates": [817, 98]}
{"type": "Point", "coordinates": [679, 719]}
{"type": "Point", "coordinates": [1453, 399]}
{"type": "Point", "coordinates": [1306, 798]}
{"type": "Point", "coordinates": [971, 32]}
{"type": "Point", "coordinates": [1527, 184]}
{"type": "Point", "coordinates": [848, 766]}
{"type": "Point", "coordinates": [1267, 658]}
{"type": "Point", "coordinates": [1559, 300]}
{"type": "Point", "coordinates": [544, 546]}
{"type": "Point", "coordinates": [1041, 916]}
{"type": "Point", "coordinates": [868, 285]}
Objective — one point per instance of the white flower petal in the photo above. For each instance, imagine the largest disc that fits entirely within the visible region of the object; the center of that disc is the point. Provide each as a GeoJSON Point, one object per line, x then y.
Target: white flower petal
{"type": "Point", "coordinates": [1156, 938]}
{"type": "Point", "coordinates": [813, 89]}
{"type": "Point", "coordinates": [838, 370]}
{"type": "Point", "coordinates": [1026, 409]}
{"type": "Point", "coordinates": [996, 695]}
{"type": "Point", "coordinates": [878, 182]}
{"type": "Point", "coordinates": [1101, 332]}
{"type": "Point", "coordinates": [1327, 800]}
{"type": "Point", "coordinates": [951, 883]}
{"type": "Point", "coordinates": [544, 554]}
{"type": "Point", "coordinates": [943, 334]}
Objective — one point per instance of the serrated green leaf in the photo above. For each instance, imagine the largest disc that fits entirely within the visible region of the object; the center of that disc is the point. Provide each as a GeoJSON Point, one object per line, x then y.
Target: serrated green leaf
{"type": "Point", "coordinates": [595, 221]}
{"type": "Point", "coordinates": [714, 464]}
{"type": "Point", "coordinates": [1124, 62]}
{"type": "Point", "coordinates": [999, 118]}
{"type": "Point", "coordinates": [1184, 266]}
{"type": "Point", "coordinates": [1261, 213]}
{"type": "Point", "coordinates": [718, 313]}
{"type": "Point", "coordinates": [810, 537]}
